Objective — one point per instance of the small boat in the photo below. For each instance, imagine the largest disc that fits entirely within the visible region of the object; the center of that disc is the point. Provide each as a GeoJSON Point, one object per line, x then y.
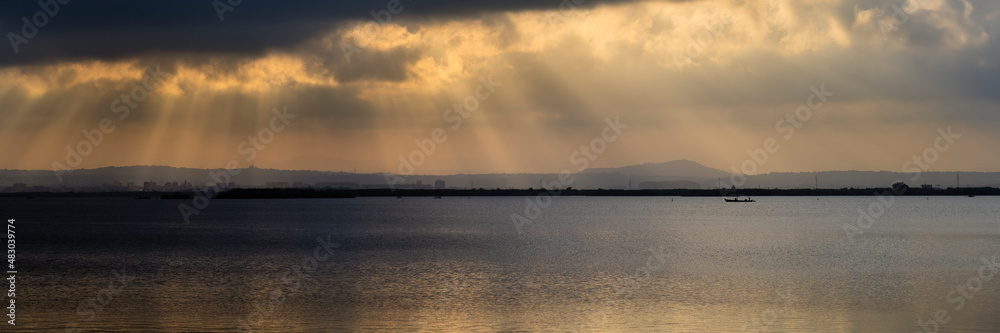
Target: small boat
{"type": "Point", "coordinates": [972, 195]}
{"type": "Point", "coordinates": [437, 197]}
{"type": "Point", "coordinates": [739, 200]}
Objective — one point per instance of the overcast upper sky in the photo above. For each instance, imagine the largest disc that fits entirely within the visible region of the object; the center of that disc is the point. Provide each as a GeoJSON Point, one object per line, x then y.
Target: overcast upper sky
{"type": "Point", "coordinates": [698, 80]}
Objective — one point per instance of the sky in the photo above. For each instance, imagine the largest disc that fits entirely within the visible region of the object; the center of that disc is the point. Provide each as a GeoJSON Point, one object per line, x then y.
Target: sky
{"type": "Point", "coordinates": [500, 86]}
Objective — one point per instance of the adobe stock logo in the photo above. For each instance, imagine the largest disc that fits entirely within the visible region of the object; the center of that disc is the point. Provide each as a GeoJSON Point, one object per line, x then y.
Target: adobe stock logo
{"type": "Point", "coordinates": [38, 20]}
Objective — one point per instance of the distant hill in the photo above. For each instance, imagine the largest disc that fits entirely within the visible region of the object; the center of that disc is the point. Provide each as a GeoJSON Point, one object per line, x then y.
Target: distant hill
{"type": "Point", "coordinates": [669, 184]}
{"type": "Point", "coordinates": [678, 168]}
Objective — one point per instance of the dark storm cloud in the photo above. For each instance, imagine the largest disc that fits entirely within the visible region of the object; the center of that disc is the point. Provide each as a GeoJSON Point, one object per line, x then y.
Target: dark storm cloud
{"type": "Point", "coordinates": [124, 28]}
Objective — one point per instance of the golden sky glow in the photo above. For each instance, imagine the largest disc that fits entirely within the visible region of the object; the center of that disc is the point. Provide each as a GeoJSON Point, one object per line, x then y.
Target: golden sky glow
{"type": "Point", "coordinates": [700, 80]}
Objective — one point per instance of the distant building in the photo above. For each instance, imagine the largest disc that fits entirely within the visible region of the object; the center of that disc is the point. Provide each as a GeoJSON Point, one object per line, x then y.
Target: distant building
{"type": "Point", "coordinates": [149, 186]}
{"type": "Point", "coordinates": [20, 187]}
{"type": "Point", "coordinates": [439, 184]}
{"type": "Point", "coordinates": [299, 185]}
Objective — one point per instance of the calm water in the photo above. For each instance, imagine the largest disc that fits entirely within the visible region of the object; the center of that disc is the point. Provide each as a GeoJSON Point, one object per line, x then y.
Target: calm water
{"type": "Point", "coordinates": [783, 264]}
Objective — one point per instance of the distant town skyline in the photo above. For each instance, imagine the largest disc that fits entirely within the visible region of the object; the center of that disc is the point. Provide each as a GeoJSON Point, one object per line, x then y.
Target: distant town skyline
{"type": "Point", "coordinates": [680, 174]}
